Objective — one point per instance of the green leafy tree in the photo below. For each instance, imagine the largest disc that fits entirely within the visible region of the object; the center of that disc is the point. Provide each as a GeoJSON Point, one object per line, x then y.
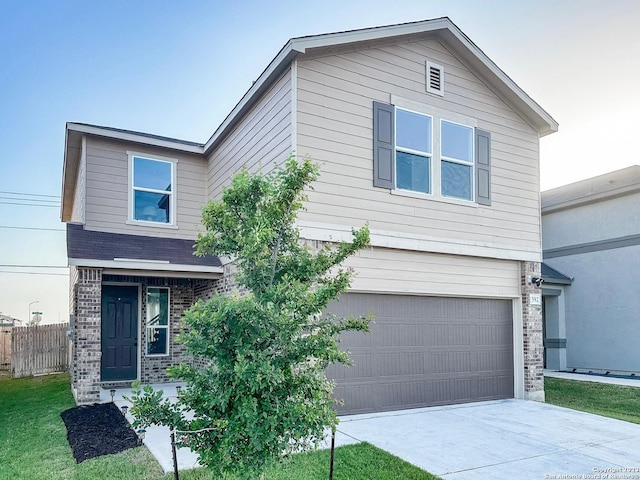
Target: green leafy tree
{"type": "Point", "coordinates": [265, 393]}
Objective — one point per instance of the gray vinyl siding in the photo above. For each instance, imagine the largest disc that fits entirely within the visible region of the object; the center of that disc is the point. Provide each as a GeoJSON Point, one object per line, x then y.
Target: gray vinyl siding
{"type": "Point", "coordinates": [79, 202]}
{"type": "Point", "coordinates": [335, 94]}
{"type": "Point", "coordinates": [261, 140]}
{"type": "Point", "coordinates": [107, 198]}
{"type": "Point", "coordinates": [386, 270]}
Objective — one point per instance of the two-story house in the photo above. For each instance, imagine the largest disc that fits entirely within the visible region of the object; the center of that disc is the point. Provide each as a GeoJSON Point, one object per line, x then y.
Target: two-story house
{"type": "Point", "coordinates": [418, 133]}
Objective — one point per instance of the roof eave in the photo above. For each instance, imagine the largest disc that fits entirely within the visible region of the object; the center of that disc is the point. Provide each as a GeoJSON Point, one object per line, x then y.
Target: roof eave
{"type": "Point", "coordinates": [72, 147]}
{"type": "Point", "coordinates": [134, 137]}
{"type": "Point", "coordinates": [557, 281]}
{"type": "Point", "coordinates": [543, 122]}
{"type": "Point", "coordinates": [72, 151]}
{"type": "Point", "coordinates": [286, 55]}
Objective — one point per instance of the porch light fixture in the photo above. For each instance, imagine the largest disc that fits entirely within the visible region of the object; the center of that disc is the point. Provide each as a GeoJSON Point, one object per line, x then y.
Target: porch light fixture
{"type": "Point", "coordinates": [537, 281]}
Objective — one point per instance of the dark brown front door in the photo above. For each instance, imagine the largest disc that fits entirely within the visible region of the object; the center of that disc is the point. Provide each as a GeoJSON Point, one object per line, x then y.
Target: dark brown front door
{"type": "Point", "coordinates": [119, 333]}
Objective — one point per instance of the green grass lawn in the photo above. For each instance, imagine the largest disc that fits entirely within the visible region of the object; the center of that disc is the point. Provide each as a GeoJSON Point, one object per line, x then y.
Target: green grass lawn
{"type": "Point", "coordinates": [33, 446]}
{"type": "Point", "coordinates": [613, 401]}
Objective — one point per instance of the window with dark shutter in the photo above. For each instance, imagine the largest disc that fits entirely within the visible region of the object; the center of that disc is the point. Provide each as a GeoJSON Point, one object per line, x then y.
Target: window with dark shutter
{"type": "Point", "coordinates": [404, 159]}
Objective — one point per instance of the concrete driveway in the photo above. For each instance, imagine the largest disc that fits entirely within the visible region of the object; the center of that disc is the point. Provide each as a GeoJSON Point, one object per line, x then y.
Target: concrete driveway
{"type": "Point", "coordinates": [506, 439]}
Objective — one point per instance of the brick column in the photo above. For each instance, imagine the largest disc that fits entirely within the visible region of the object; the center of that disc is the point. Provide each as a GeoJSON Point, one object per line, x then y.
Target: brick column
{"type": "Point", "coordinates": [532, 333]}
{"type": "Point", "coordinates": [87, 350]}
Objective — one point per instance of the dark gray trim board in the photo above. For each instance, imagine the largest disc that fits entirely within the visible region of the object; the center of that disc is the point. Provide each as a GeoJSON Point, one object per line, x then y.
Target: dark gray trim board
{"type": "Point", "coordinates": [555, 343]}
{"type": "Point", "coordinates": [610, 244]}
{"type": "Point", "coordinates": [89, 244]}
{"type": "Point", "coordinates": [551, 292]}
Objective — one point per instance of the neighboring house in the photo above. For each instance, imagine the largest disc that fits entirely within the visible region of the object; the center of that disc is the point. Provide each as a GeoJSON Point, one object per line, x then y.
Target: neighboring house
{"type": "Point", "coordinates": [418, 133]}
{"type": "Point", "coordinates": [7, 321]}
{"type": "Point", "coordinates": [591, 237]}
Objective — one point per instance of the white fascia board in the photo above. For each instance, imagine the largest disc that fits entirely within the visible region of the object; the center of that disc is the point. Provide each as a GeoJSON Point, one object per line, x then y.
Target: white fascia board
{"type": "Point", "coordinates": [133, 137]}
{"type": "Point", "coordinates": [299, 45]}
{"type": "Point", "coordinates": [145, 265]}
{"type": "Point", "coordinates": [546, 124]}
{"type": "Point", "coordinates": [373, 33]}
{"type": "Point", "coordinates": [512, 92]}
{"type": "Point", "coordinates": [420, 243]}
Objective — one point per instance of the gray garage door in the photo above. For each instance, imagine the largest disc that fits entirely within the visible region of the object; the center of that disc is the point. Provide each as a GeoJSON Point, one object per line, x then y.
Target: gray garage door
{"type": "Point", "coordinates": [424, 351]}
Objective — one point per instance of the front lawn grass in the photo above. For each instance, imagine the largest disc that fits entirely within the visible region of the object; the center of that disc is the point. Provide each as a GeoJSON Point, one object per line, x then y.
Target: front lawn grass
{"type": "Point", "coordinates": [33, 446]}
{"type": "Point", "coordinates": [615, 401]}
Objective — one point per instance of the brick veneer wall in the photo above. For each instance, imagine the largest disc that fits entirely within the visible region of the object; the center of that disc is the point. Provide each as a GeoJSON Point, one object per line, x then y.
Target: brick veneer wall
{"type": "Point", "coordinates": [532, 333]}
{"type": "Point", "coordinates": [73, 309]}
{"type": "Point", "coordinates": [181, 296]}
{"type": "Point", "coordinates": [86, 351]}
{"type": "Point", "coordinates": [153, 368]}
{"type": "Point", "coordinates": [85, 294]}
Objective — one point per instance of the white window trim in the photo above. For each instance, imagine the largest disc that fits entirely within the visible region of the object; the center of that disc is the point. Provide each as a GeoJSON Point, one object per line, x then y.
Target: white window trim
{"type": "Point", "coordinates": [471, 164]}
{"type": "Point", "coordinates": [147, 327]}
{"type": "Point", "coordinates": [437, 116]}
{"type": "Point", "coordinates": [172, 194]}
{"type": "Point", "coordinates": [428, 155]}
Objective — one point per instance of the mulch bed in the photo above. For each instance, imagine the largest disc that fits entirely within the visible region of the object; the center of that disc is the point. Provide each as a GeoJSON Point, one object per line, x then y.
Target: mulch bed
{"type": "Point", "coordinates": [99, 429]}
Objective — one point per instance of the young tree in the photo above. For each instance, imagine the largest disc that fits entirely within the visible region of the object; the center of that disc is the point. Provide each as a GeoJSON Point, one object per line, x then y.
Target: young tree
{"type": "Point", "coordinates": [264, 393]}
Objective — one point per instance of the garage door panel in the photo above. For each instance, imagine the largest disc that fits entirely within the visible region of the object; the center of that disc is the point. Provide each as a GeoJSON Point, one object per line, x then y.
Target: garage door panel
{"type": "Point", "coordinates": [411, 334]}
{"type": "Point", "coordinates": [493, 360]}
{"type": "Point", "coordinates": [356, 339]}
{"type": "Point", "coordinates": [362, 367]}
{"type": "Point", "coordinates": [448, 334]}
{"type": "Point", "coordinates": [394, 395]}
{"type": "Point", "coordinates": [424, 351]}
{"type": "Point", "coordinates": [410, 363]}
{"type": "Point", "coordinates": [492, 335]}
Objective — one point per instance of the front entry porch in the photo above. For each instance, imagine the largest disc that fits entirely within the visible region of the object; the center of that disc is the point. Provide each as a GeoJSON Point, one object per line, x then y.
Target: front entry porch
{"type": "Point", "coordinates": [124, 328]}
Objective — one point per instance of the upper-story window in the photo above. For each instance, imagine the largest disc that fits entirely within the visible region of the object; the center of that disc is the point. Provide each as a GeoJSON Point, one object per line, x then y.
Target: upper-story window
{"type": "Point", "coordinates": [415, 162]}
{"type": "Point", "coordinates": [413, 151]}
{"type": "Point", "coordinates": [430, 152]}
{"type": "Point", "coordinates": [152, 190]}
{"type": "Point", "coordinates": [456, 157]}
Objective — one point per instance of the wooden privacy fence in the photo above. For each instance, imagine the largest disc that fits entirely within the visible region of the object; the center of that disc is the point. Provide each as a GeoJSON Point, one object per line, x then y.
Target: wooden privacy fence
{"type": "Point", "coordinates": [5, 348]}
{"type": "Point", "coordinates": [39, 350]}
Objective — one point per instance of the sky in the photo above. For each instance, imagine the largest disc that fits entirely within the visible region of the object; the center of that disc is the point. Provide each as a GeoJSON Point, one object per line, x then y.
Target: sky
{"type": "Point", "coordinates": [177, 69]}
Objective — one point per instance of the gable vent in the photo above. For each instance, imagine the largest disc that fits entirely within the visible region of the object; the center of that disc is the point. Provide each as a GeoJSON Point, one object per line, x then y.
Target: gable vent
{"type": "Point", "coordinates": [435, 78]}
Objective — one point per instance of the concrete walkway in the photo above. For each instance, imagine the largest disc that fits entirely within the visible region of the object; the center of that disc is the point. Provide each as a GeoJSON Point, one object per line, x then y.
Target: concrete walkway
{"type": "Point", "coordinates": [504, 439]}
{"type": "Point", "coordinates": [157, 439]}
{"type": "Point", "coordinates": [585, 377]}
